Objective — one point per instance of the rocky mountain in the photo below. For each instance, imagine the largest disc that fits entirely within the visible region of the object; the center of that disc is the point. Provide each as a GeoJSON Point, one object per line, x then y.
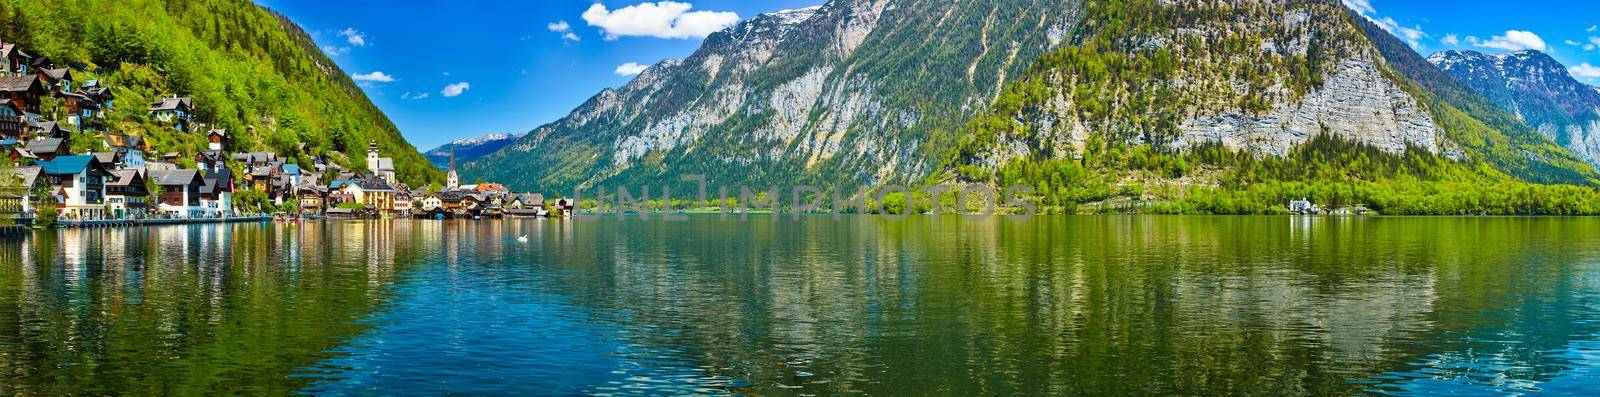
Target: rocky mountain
{"type": "Point", "coordinates": [853, 91]}
{"type": "Point", "coordinates": [1538, 90]}
{"type": "Point", "coordinates": [869, 92]}
{"type": "Point", "coordinates": [469, 149]}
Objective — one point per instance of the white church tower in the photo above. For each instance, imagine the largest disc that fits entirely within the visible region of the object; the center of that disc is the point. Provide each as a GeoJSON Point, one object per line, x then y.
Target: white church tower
{"type": "Point", "coordinates": [451, 179]}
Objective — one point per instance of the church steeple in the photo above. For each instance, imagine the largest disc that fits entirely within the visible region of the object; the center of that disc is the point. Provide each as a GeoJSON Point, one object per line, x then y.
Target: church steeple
{"type": "Point", "coordinates": [452, 179]}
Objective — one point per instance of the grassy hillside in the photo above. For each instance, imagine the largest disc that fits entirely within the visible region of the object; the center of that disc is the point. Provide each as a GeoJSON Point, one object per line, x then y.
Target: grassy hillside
{"type": "Point", "coordinates": [244, 66]}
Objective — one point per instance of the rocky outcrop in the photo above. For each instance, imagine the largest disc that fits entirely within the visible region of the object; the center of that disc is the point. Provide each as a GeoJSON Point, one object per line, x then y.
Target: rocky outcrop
{"type": "Point", "coordinates": [845, 93]}
{"type": "Point", "coordinates": [1356, 102]}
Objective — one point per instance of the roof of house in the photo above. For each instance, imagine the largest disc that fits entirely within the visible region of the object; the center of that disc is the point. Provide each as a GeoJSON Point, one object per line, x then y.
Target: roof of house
{"type": "Point", "coordinates": [376, 184]}
{"type": "Point", "coordinates": [64, 165]}
{"type": "Point", "coordinates": [175, 177]}
{"type": "Point", "coordinates": [46, 126]}
{"type": "Point", "coordinates": [19, 83]}
{"type": "Point", "coordinates": [10, 49]}
{"type": "Point", "coordinates": [106, 157]}
{"type": "Point", "coordinates": [100, 92]}
{"type": "Point", "coordinates": [58, 74]}
{"type": "Point", "coordinates": [221, 180]}
{"type": "Point", "coordinates": [217, 131]}
{"type": "Point", "coordinates": [30, 174]}
{"type": "Point", "coordinates": [8, 141]}
{"type": "Point", "coordinates": [45, 145]}
{"type": "Point", "coordinates": [125, 178]}
{"type": "Point", "coordinates": [172, 103]}
{"type": "Point", "coordinates": [291, 169]}
{"type": "Point", "coordinates": [255, 157]}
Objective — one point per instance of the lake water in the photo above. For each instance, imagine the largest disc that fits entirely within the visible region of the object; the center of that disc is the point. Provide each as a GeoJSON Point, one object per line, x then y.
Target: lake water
{"type": "Point", "coordinates": [1088, 305]}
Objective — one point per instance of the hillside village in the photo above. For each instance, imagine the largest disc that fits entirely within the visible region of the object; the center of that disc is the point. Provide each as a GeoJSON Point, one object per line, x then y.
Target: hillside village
{"type": "Point", "coordinates": [47, 182]}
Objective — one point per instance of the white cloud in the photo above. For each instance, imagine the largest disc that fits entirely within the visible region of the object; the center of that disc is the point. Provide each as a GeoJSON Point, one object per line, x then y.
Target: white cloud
{"type": "Point", "coordinates": [455, 89]}
{"type": "Point", "coordinates": [354, 37]}
{"type": "Point", "coordinates": [1572, 43]}
{"type": "Point", "coordinates": [565, 30]}
{"type": "Point", "coordinates": [1586, 70]}
{"type": "Point", "coordinates": [409, 96]}
{"type": "Point", "coordinates": [1592, 28]}
{"type": "Point", "coordinates": [376, 76]}
{"type": "Point", "coordinates": [1513, 40]}
{"type": "Point", "coordinates": [1412, 35]}
{"type": "Point", "coordinates": [665, 19]}
{"type": "Point", "coordinates": [1451, 39]}
{"type": "Point", "coordinates": [331, 50]}
{"type": "Point", "coordinates": [631, 68]}
{"type": "Point", "coordinates": [1362, 6]}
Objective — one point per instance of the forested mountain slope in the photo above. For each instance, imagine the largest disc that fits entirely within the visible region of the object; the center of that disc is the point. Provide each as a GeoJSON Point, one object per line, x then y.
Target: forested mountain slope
{"type": "Point", "coordinates": [852, 92]}
{"type": "Point", "coordinates": [245, 66]}
{"type": "Point", "coordinates": [1538, 90]}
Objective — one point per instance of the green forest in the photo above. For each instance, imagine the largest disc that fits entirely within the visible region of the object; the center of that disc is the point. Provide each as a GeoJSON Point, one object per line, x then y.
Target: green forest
{"type": "Point", "coordinates": [250, 71]}
{"type": "Point", "coordinates": [1122, 89]}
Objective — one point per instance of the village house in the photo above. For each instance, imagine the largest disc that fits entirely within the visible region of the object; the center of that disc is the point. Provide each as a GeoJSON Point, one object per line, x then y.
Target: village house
{"type": "Point", "coordinates": [311, 198]}
{"type": "Point", "coordinates": [180, 192]}
{"type": "Point", "coordinates": [370, 192]}
{"type": "Point", "coordinates": [13, 125]}
{"type": "Point", "coordinates": [82, 112]}
{"type": "Point", "coordinates": [491, 188]}
{"type": "Point", "coordinates": [38, 127]}
{"type": "Point", "coordinates": [217, 139]}
{"type": "Point", "coordinates": [16, 62]}
{"type": "Point", "coordinates": [103, 95]}
{"type": "Point", "coordinates": [126, 194]}
{"type": "Point", "coordinates": [57, 80]}
{"type": "Point", "coordinates": [22, 91]}
{"type": "Point", "coordinates": [16, 199]}
{"type": "Point", "coordinates": [216, 192]}
{"type": "Point", "coordinates": [78, 184]}
{"type": "Point", "coordinates": [179, 111]}
{"type": "Point", "coordinates": [47, 149]}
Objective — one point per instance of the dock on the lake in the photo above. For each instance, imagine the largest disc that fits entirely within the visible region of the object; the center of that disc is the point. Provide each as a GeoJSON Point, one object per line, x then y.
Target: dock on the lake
{"type": "Point", "coordinates": [9, 231]}
{"type": "Point", "coordinates": [146, 222]}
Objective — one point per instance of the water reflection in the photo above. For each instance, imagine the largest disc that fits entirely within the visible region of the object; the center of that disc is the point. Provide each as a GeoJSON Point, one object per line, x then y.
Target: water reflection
{"type": "Point", "coordinates": [1071, 305]}
{"type": "Point", "coordinates": [180, 309]}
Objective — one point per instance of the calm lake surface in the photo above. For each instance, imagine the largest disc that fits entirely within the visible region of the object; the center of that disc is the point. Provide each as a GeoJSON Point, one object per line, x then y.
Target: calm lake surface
{"type": "Point", "coordinates": [816, 305]}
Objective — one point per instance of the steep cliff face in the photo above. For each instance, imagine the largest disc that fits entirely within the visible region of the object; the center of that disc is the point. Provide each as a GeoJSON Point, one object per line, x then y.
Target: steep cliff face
{"type": "Point", "coordinates": [1538, 90]}
{"type": "Point", "coordinates": [872, 91]}
{"type": "Point", "coordinates": [851, 92]}
{"type": "Point", "coordinates": [1262, 77]}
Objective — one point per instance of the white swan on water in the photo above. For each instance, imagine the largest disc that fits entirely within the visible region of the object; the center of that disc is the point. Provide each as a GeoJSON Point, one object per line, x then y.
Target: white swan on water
{"type": "Point", "coordinates": [522, 239]}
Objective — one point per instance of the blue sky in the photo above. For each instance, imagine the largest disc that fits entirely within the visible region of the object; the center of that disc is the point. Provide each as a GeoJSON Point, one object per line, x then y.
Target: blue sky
{"type": "Point", "coordinates": [444, 70]}
{"type": "Point", "coordinates": [519, 73]}
{"type": "Point", "coordinates": [1564, 29]}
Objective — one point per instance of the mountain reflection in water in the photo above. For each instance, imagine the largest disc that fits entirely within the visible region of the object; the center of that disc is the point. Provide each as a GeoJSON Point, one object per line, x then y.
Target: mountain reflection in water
{"type": "Point", "coordinates": [780, 305]}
